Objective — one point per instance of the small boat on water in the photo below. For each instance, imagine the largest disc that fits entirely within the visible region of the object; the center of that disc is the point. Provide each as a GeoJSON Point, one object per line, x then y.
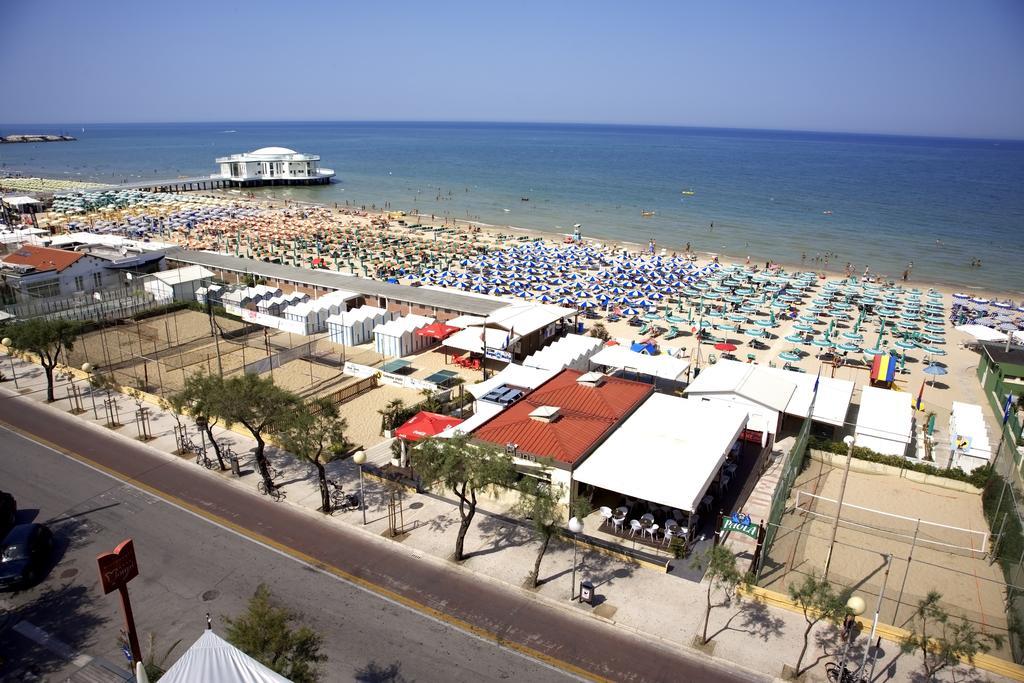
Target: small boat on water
{"type": "Point", "coordinates": [827, 213]}
{"type": "Point", "coordinates": [689, 193]}
{"type": "Point", "coordinates": [646, 214]}
{"type": "Point", "coordinates": [524, 199]}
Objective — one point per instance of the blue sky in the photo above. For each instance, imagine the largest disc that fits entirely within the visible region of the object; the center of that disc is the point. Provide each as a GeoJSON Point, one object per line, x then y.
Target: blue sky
{"type": "Point", "coordinates": [933, 67]}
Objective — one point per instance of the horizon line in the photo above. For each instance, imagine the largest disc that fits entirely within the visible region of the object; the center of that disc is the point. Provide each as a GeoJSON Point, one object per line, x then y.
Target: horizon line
{"type": "Point", "coordinates": [927, 136]}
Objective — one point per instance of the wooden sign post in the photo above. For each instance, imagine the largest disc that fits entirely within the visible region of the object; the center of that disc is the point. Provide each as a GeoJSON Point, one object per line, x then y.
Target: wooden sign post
{"type": "Point", "coordinates": [116, 570]}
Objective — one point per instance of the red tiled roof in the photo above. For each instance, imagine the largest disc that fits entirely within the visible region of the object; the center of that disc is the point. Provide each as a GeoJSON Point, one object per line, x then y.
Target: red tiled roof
{"type": "Point", "coordinates": [43, 258]}
{"type": "Point", "coordinates": [586, 415]}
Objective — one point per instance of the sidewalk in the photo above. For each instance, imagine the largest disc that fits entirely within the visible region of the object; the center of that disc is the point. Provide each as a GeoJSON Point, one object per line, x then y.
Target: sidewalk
{"type": "Point", "coordinates": [658, 607]}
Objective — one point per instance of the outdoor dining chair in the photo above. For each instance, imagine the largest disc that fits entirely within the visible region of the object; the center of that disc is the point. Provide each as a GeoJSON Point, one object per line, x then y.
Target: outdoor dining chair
{"type": "Point", "coordinates": [634, 526]}
{"type": "Point", "coordinates": [650, 531]}
{"type": "Point", "coordinates": [606, 513]}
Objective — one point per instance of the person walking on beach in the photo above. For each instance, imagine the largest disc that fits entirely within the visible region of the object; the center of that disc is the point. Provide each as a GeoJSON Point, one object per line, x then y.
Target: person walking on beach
{"type": "Point", "coordinates": [906, 273]}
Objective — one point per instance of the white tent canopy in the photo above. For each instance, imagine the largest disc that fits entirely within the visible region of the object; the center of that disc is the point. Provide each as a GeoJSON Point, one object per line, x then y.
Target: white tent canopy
{"type": "Point", "coordinates": [571, 351]}
{"type": "Point", "coordinates": [765, 397]}
{"type": "Point", "coordinates": [982, 333]}
{"type": "Point", "coordinates": [525, 318]}
{"type": "Point", "coordinates": [668, 452]}
{"type": "Point", "coordinates": [885, 422]}
{"type": "Point", "coordinates": [969, 445]}
{"type": "Point", "coordinates": [469, 339]}
{"type": "Point", "coordinates": [621, 358]}
{"type": "Point", "coordinates": [211, 658]}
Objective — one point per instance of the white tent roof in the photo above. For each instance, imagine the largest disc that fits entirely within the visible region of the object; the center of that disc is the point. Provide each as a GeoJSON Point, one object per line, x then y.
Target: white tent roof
{"type": "Point", "coordinates": [469, 339]}
{"type": "Point", "coordinates": [982, 333]}
{"type": "Point", "coordinates": [968, 421]}
{"type": "Point", "coordinates": [667, 452]}
{"type": "Point", "coordinates": [747, 380]}
{"type": "Point", "coordinates": [464, 321]}
{"type": "Point", "coordinates": [211, 658]}
{"type": "Point", "coordinates": [180, 275]}
{"type": "Point", "coordinates": [885, 414]}
{"type": "Point", "coordinates": [525, 318]}
{"type": "Point", "coordinates": [513, 375]}
{"type": "Point", "coordinates": [832, 403]}
{"type": "Point", "coordinates": [564, 352]}
{"type": "Point", "coordinates": [662, 366]}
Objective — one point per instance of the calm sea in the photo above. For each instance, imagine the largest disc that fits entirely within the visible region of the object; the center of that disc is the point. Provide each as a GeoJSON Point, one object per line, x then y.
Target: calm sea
{"type": "Point", "coordinates": [875, 201]}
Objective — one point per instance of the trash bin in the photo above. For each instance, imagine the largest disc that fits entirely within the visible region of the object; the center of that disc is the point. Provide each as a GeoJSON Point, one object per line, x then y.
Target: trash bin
{"type": "Point", "coordinates": [587, 592]}
{"type": "Point", "coordinates": [579, 328]}
{"type": "Point", "coordinates": [235, 468]}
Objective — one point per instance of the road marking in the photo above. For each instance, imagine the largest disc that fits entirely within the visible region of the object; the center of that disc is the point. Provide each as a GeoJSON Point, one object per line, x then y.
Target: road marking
{"type": "Point", "coordinates": [310, 562]}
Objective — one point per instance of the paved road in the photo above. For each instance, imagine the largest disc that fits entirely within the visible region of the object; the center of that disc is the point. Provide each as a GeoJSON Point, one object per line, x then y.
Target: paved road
{"type": "Point", "coordinates": [191, 557]}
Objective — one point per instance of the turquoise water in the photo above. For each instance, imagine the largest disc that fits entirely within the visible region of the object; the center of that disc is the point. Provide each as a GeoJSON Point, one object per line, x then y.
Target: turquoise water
{"type": "Point", "coordinates": [937, 202]}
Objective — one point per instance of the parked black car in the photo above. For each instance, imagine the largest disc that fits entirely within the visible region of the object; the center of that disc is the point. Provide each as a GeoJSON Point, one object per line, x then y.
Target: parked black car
{"type": "Point", "coordinates": [23, 556]}
{"type": "Point", "coordinates": [8, 509]}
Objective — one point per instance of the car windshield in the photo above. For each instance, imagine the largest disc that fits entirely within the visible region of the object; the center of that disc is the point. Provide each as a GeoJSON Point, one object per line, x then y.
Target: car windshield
{"type": "Point", "coordinates": [14, 552]}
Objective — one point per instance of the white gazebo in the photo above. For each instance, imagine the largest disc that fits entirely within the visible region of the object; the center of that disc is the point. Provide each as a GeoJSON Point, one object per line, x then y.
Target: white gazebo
{"type": "Point", "coordinates": [211, 658]}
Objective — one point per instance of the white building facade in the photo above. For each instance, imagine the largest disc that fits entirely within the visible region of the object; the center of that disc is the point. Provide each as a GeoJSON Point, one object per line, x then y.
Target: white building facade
{"type": "Point", "coordinates": [273, 166]}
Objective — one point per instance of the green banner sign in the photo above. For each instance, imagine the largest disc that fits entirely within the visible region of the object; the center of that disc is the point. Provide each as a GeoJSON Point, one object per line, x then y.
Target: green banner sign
{"type": "Point", "coordinates": [752, 530]}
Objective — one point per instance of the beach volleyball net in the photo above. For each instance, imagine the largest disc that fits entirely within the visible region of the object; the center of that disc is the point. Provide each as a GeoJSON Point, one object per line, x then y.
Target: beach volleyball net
{"type": "Point", "coordinates": [871, 525]}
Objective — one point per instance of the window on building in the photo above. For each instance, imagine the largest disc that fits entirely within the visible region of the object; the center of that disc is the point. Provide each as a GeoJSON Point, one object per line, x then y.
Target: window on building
{"type": "Point", "coordinates": [79, 283]}
{"type": "Point", "coordinates": [43, 288]}
{"type": "Point", "coordinates": [97, 280]}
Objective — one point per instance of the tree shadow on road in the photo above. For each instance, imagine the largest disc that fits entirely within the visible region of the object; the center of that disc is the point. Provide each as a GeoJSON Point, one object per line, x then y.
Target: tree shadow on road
{"type": "Point", "coordinates": [375, 673]}
{"type": "Point", "coordinates": [66, 613]}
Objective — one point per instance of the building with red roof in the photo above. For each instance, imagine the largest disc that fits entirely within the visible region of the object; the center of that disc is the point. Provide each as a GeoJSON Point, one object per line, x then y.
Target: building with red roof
{"type": "Point", "coordinates": [565, 419]}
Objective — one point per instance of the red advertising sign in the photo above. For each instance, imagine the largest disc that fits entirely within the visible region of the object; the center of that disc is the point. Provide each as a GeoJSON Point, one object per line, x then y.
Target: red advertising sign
{"type": "Point", "coordinates": [119, 567]}
{"type": "Point", "coordinates": [751, 435]}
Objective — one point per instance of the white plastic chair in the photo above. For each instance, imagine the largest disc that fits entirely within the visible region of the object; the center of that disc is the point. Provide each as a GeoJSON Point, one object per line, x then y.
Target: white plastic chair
{"type": "Point", "coordinates": [648, 517]}
{"type": "Point", "coordinates": [669, 534]}
{"type": "Point", "coordinates": [606, 513]}
{"type": "Point", "coordinates": [618, 522]}
{"type": "Point", "coordinates": [651, 530]}
{"type": "Point", "coordinates": [634, 526]}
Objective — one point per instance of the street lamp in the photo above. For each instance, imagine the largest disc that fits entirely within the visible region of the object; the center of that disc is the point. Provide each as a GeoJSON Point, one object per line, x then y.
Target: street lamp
{"type": "Point", "coordinates": [88, 368]}
{"type": "Point", "coordinates": [359, 458]}
{"type": "Point", "coordinates": [849, 441]}
{"type": "Point", "coordinates": [854, 606]}
{"type": "Point", "coordinates": [10, 355]}
{"type": "Point", "coordinates": [576, 527]}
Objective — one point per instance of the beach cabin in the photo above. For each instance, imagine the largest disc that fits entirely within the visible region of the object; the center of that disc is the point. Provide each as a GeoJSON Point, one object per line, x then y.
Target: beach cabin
{"type": "Point", "coordinates": [179, 284]}
{"type": "Point", "coordinates": [355, 327]}
{"type": "Point", "coordinates": [885, 421]}
{"type": "Point", "coordinates": [969, 445]}
{"type": "Point", "coordinates": [397, 338]}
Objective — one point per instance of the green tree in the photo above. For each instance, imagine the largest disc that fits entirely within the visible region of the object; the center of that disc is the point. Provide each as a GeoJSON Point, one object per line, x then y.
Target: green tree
{"type": "Point", "coordinates": [465, 469]}
{"type": "Point", "coordinates": [941, 640]}
{"type": "Point", "coordinates": [203, 397]}
{"type": "Point", "coordinates": [818, 602]}
{"type": "Point", "coordinates": [48, 339]}
{"type": "Point", "coordinates": [721, 574]}
{"type": "Point", "coordinates": [538, 504]}
{"type": "Point", "coordinates": [599, 331]}
{"type": "Point", "coordinates": [315, 435]}
{"type": "Point", "coordinates": [389, 414]}
{"type": "Point", "coordinates": [260, 406]}
{"type": "Point", "coordinates": [267, 633]}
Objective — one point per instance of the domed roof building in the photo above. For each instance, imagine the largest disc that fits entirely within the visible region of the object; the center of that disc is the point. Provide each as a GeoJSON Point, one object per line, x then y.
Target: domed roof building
{"type": "Point", "coordinates": [273, 166]}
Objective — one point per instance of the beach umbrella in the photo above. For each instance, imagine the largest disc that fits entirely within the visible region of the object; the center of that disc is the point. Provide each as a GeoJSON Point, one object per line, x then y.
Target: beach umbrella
{"type": "Point", "coordinates": [934, 350]}
{"type": "Point", "coordinates": [755, 333]}
{"type": "Point", "coordinates": [853, 335]}
{"type": "Point", "coordinates": [789, 357]}
{"type": "Point", "coordinates": [795, 338]}
{"type": "Point", "coordinates": [904, 344]}
{"type": "Point", "coordinates": [725, 346]}
{"type": "Point", "coordinates": [847, 346]}
{"type": "Point", "coordinates": [822, 342]}
{"type": "Point", "coordinates": [803, 327]}
{"type": "Point", "coordinates": [629, 311]}
{"type": "Point", "coordinates": [873, 352]}
{"type": "Point", "coordinates": [934, 371]}
{"type": "Point", "coordinates": [725, 327]}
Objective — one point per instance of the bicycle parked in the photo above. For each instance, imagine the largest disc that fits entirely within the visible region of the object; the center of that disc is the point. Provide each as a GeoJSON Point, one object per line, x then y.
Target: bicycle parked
{"type": "Point", "coordinates": [274, 491]}
{"type": "Point", "coordinates": [837, 674]}
{"type": "Point", "coordinates": [340, 500]}
{"type": "Point", "coordinates": [190, 446]}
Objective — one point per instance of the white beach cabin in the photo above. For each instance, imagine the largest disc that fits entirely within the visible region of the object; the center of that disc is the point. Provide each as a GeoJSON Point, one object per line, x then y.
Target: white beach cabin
{"type": "Point", "coordinates": [355, 327]}
{"type": "Point", "coordinates": [397, 338]}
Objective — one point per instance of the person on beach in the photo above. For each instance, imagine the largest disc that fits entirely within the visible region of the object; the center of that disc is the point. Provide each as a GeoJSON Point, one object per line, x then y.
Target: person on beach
{"type": "Point", "coordinates": [906, 273]}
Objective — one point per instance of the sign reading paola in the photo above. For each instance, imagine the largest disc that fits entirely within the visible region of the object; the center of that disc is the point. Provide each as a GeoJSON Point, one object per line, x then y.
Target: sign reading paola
{"type": "Point", "coordinates": [119, 567]}
{"type": "Point", "coordinates": [740, 524]}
